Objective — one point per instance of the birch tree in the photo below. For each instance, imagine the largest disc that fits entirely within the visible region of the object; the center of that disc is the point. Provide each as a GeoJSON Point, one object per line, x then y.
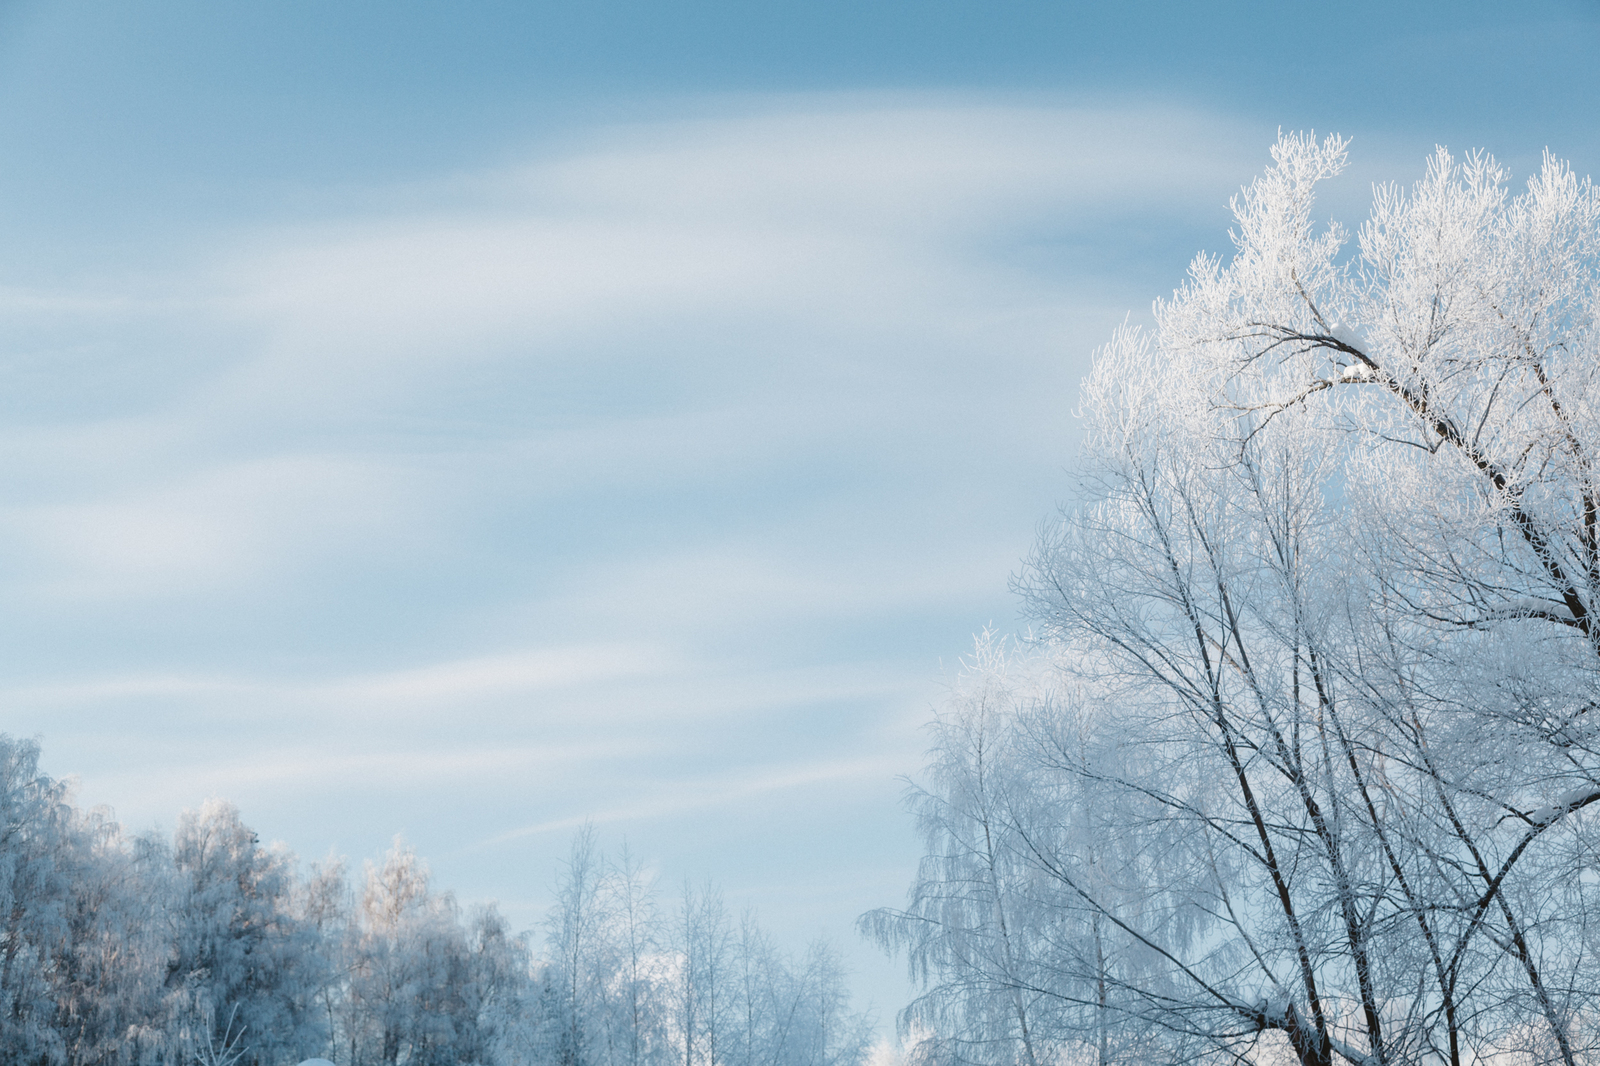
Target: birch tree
{"type": "Point", "coordinates": [638, 1029]}
{"type": "Point", "coordinates": [1316, 779]}
{"type": "Point", "coordinates": [244, 971]}
{"type": "Point", "coordinates": [415, 991]}
{"type": "Point", "coordinates": [704, 939]}
{"type": "Point", "coordinates": [583, 957]}
{"type": "Point", "coordinates": [783, 1011]}
{"type": "Point", "coordinates": [965, 937]}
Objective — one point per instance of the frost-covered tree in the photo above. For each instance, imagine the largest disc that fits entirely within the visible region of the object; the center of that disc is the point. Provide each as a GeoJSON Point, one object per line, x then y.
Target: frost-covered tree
{"type": "Point", "coordinates": [971, 934]}
{"type": "Point", "coordinates": [583, 955]}
{"type": "Point", "coordinates": [703, 938]}
{"type": "Point", "coordinates": [637, 1034]}
{"type": "Point", "coordinates": [504, 987]}
{"type": "Point", "coordinates": [83, 950]}
{"type": "Point", "coordinates": [625, 984]}
{"type": "Point", "coordinates": [416, 994]}
{"type": "Point", "coordinates": [113, 957]}
{"type": "Point", "coordinates": [811, 1020]}
{"type": "Point", "coordinates": [209, 949]}
{"type": "Point", "coordinates": [326, 911]}
{"type": "Point", "coordinates": [47, 876]}
{"type": "Point", "coordinates": [754, 1004]}
{"type": "Point", "coordinates": [1313, 777]}
{"type": "Point", "coordinates": [244, 972]}
{"type": "Point", "coordinates": [38, 845]}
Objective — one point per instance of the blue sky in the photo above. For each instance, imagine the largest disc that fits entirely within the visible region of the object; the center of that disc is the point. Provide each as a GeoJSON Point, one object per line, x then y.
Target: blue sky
{"type": "Point", "coordinates": [466, 421]}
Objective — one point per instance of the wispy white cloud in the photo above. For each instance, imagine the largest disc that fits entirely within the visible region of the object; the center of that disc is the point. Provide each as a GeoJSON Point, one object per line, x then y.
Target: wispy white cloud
{"type": "Point", "coordinates": [223, 525]}
{"type": "Point", "coordinates": [528, 671]}
{"type": "Point", "coordinates": [339, 775]}
{"type": "Point", "coordinates": [837, 220]}
{"type": "Point", "coordinates": [675, 798]}
{"type": "Point", "coordinates": [670, 300]}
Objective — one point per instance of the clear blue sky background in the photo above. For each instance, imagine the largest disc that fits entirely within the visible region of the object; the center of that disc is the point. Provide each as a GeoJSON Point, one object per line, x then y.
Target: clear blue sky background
{"type": "Point", "coordinates": [468, 420]}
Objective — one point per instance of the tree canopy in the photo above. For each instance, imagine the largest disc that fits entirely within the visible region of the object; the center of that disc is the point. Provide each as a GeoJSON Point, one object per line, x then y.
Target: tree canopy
{"type": "Point", "coordinates": [1303, 763]}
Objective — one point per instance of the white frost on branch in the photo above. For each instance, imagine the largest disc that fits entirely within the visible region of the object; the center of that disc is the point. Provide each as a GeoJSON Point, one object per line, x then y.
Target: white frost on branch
{"type": "Point", "coordinates": [1565, 802]}
{"type": "Point", "coordinates": [1578, 796]}
{"type": "Point", "coordinates": [1530, 607]}
{"type": "Point", "coordinates": [1347, 336]}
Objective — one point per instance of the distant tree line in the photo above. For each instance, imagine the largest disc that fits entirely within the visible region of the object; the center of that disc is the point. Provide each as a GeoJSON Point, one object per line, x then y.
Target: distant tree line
{"type": "Point", "coordinates": [209, 948]}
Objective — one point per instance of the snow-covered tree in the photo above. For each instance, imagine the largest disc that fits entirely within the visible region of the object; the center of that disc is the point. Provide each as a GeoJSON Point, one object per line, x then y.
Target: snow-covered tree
{"type": "Point", "coordinates": [48, 881]}
{"type": "Point", "coordinates": [583, 956]}
{"type": "Point", "coordinates": [625, 985]}
{"type": "Point", "coordinates": [83, 951]}
{"type": "Point", "coordinates": [209, 949]}
{"type": "Point", "coordinates": [37, 842]}
{"type": "Point", "coordinates": [637, 1034]}
{"type": "Point", "coordinates": [1314, 774]}
{"type": "Point", "coordinates": [970, 934]}
{"type": "Point", "coordinates": [702, 984]}
{"type": "Point", "coordinates": [112, 959]}
{"type": "Point", "coordinates": [244, 973]}
{"type": "Point", "coordinates": [415, 991]}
